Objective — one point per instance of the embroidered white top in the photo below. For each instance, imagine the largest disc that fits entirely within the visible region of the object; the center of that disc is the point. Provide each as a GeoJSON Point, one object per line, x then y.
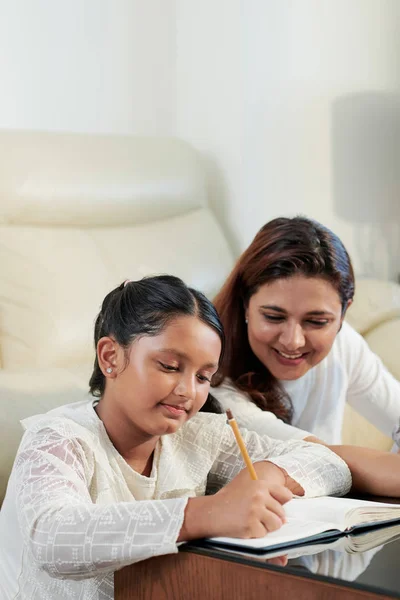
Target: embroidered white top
{"type": "Point", "coordinates": [350, 373]}
{"type": "Point", "coordinates": [75, 511]}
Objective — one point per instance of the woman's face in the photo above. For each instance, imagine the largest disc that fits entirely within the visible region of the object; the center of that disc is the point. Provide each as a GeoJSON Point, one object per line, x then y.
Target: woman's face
{"type": "Point", "coordinates": [292, 324]}
{"type": "Point", "coordinates": [165, 379]}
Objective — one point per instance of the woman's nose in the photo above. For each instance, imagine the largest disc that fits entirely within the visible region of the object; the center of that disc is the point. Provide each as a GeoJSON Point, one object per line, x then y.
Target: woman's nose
{"type": "Point", "coordinates": [292, 336]}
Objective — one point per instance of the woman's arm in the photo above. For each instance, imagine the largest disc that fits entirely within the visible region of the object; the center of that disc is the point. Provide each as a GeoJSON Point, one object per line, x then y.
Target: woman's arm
{"type": "Point", "coordinates": [373, 472]}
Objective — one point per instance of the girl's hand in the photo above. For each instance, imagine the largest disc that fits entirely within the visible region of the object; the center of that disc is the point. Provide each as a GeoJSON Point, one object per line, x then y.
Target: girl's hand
{"type": "Point", "coordinates": [244, 508]}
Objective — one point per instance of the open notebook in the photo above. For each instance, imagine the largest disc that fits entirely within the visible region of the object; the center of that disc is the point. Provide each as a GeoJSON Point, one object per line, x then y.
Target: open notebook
{"type": "Point", "coordinates": [312, 520]}
{"type": "Point", "coordinates": [359, 541]}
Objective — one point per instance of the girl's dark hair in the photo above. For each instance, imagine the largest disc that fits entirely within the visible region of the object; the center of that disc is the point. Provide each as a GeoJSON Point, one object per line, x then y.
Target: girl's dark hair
{"type": "Point", "coordinates": [282, 248]}
{"type": "Point", "coordinates": [146, 307]}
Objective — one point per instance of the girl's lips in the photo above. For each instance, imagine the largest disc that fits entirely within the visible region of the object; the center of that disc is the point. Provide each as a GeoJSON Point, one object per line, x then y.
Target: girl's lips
{"type": "Point", "coordinates": [290, 362]}
{"type": "Point", "coordinates": [175, 410]}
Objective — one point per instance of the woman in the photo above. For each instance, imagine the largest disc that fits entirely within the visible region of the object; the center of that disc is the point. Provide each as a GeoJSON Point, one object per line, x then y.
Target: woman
{"type": "Point", "coordinates": [291, 362]}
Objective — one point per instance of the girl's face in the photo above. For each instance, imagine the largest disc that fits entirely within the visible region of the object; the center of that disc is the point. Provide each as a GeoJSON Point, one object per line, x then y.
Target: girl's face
{"type": "Point", "coordinates": [292, 324]}
{"type": "Point", "coordinates": [165, 379]}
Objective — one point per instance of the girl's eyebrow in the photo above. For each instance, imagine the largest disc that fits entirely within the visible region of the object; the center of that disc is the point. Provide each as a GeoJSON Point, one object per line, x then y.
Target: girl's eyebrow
{"type": "Point", "coordinates": [184, 356]}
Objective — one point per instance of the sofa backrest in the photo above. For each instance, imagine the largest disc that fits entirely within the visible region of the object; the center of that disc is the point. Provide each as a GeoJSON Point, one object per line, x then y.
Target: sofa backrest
{"type": "Point", "coordinates": [81, 213]}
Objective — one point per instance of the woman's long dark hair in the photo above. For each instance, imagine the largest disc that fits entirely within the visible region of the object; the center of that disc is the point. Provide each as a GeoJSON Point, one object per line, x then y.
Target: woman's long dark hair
{"type": "Point", "coordinates": [282, 248]}
{"type": "Point", "coordinates": [145, 307]}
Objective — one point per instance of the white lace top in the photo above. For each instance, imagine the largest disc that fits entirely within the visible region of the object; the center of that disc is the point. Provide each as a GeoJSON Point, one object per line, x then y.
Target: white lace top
{"type": "Point", "coordinates": [75, 511]}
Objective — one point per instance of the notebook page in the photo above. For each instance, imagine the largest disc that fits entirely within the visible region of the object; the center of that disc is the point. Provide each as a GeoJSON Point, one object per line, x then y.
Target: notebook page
{"type": "Point", "coordinates": [324, 509]}
{"type": "Point", "coordinates": [345, 512]}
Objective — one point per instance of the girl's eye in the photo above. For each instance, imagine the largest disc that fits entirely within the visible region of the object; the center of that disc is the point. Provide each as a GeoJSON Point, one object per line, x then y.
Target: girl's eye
{"type": "Point", "coordinates": [168, 367]}
{"type": "Point", "coordinates": [203, 378]}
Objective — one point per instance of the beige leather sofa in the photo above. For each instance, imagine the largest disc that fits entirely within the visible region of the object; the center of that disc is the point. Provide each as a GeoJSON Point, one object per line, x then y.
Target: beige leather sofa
{"type": "Point", "coordinates": [79, 214]}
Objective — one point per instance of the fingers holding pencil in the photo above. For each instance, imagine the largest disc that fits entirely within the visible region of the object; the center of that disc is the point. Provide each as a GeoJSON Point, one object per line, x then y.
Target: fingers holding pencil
{"type": "Point", "coordinates": [247, 507]}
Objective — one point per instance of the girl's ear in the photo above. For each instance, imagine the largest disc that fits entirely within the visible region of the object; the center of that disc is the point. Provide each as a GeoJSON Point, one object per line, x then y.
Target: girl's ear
{"type": "Point", "coordinates": [107, 356]}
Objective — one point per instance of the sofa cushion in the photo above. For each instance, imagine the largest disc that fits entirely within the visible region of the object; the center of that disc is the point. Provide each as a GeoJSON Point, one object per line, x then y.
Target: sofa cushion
{"type": "Point", "coordinates": [53, 280]}
{"type": "Point", "coordinates": [375, 302]}
{"type": "Point", "coordinates": [96, 180]}
{"type": "Point", "coordinates": [31, 392]}
{"type": "Point", "coordinates": [384, 340]}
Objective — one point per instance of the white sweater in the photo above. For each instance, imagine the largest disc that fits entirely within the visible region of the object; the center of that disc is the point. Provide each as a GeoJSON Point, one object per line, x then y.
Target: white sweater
{"type": "Point", "coordinates": [75, 511]}
{"type": "Point", "coordinates": [350, 373]}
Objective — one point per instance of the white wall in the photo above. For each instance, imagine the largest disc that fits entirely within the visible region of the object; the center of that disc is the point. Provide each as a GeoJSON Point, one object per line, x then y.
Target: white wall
{"type": "Point", "coordinates": [88, 65]}
{"type": "Point", "coordinates": [210, 98]}
{"type": "Point", "coordinates": [271, 73]}
{"type": "Point", "coordinates": [251, 83]}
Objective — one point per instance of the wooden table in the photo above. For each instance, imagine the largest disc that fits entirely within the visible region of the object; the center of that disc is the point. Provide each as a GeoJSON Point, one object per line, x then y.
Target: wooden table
{"type": "Point", "coordinates": [207, 574]}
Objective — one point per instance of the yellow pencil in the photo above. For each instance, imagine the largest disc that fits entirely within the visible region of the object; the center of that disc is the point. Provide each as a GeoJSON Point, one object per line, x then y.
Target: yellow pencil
{"type": "Point", "coordinates": [239, 439]}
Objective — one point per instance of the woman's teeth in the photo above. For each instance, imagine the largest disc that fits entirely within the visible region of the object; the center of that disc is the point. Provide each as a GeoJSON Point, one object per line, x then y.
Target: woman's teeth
{"type": "Point", "coordinates": [291, 356]}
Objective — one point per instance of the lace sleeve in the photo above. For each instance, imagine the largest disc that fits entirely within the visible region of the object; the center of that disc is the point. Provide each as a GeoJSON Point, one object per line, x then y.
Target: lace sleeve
{"type": "Point", "coordinates": [69, 536]}
{"type": "Point", "coordinates": [316, 468]}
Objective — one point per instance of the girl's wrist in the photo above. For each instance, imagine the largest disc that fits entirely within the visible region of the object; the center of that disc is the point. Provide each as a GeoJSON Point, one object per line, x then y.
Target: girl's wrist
{"type": "Point", "coordinates": [198, 519]}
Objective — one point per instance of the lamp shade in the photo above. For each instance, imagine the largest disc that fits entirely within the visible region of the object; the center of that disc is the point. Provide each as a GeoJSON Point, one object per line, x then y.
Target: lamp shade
{"type": "Point", "coordinates": [366, 157]}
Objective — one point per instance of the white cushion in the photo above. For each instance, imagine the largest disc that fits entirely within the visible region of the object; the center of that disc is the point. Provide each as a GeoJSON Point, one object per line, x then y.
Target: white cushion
{"type": "Point", "coordinates": [53, 280]}
{"type": "Point", "coordinates": [357, 431]}
{"type": "Point", "coordinates": [375, 302]}
{"type": "Point", "coordinates": [30, 392]}
{"type": "Point", "coordinates": [78, 215]}
{"type": "Point", "coordinates": [384, 340]}
{"type": "Point", "coordinates": [96, 180]}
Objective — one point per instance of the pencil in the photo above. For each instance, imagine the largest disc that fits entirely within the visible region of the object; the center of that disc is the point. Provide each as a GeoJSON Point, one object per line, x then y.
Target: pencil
{"type": "Point", "coordinates": [242, 447]}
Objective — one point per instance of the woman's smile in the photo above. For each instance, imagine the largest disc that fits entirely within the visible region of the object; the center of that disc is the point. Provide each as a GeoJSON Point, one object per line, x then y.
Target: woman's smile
{"type": "Point", "coordinates": [292, 324]}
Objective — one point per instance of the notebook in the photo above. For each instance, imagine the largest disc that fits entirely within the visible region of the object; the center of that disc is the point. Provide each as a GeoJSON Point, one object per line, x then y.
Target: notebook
{"type": "Point", "coordinates": [312, 520]}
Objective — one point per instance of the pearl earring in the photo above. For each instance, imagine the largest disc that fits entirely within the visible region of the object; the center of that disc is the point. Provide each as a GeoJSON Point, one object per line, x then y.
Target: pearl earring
{"type": "Point", "coordinates": [109, 370]}
{"type": "Point", "coordinates": [246, 321]}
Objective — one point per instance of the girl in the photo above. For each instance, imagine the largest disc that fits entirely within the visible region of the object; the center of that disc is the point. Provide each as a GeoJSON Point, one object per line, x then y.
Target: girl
{"type": "Point", "coordinates": [291, 362]}
{"type": "Point", "coordinates": [103, 483]}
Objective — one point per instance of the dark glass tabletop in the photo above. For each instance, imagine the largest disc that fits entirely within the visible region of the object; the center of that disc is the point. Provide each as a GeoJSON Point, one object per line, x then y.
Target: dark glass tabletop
{"type": "Point", "coordinates": [375, 569]}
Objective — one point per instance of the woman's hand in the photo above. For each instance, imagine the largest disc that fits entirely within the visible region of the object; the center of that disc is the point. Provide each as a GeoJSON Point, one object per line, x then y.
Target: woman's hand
{"type": "Point", "coordinates": [243, 508]}
{"type": "Point", "coordinates": [279, 561]}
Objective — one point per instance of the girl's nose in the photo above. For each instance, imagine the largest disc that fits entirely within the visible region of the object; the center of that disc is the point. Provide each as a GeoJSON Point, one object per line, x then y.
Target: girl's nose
{"type": "Point", "coordinates": [186, 387]}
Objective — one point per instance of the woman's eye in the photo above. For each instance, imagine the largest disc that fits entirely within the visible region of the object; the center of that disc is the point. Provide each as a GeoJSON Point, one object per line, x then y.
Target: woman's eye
{"type": "Point", "coordinates": [318, 323]}
{"type": "Point", "coordinates": [168, 367]}
{"type": "Point", "coordinates": [273, 318]}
